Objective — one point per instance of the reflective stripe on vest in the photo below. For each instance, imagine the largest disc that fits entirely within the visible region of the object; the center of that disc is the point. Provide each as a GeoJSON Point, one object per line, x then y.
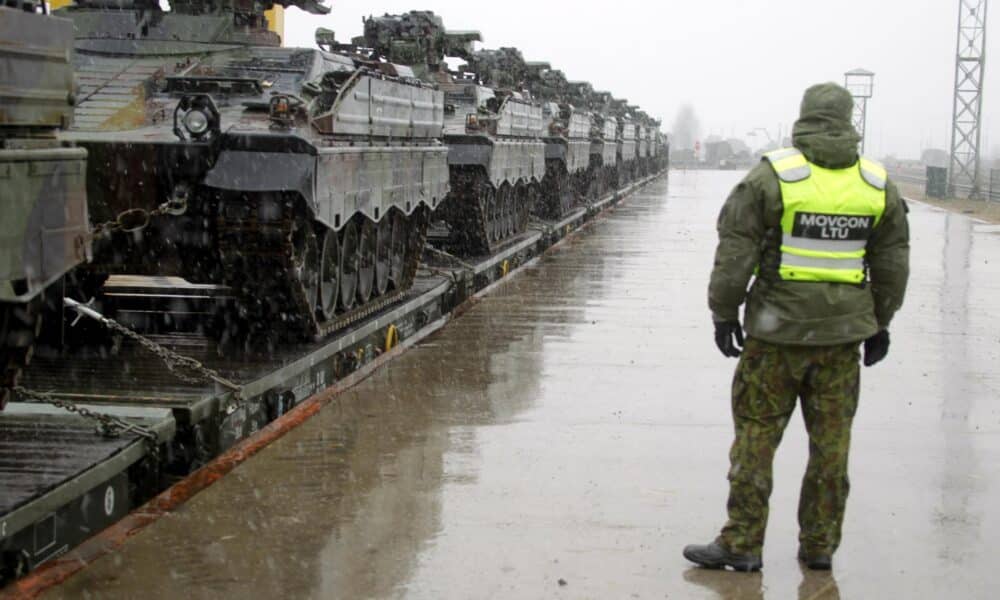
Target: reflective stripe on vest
{"type": "Point", "coordinates": [828, 216]}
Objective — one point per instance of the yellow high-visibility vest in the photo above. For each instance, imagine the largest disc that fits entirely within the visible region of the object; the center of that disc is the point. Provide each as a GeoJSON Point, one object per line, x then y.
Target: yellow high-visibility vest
{"type": "Point", "coordinates": [828, 216]}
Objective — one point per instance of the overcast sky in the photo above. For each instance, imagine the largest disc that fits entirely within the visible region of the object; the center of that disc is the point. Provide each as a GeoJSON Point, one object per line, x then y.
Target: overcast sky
{"type": "Point", "coordinates": [741, 65]}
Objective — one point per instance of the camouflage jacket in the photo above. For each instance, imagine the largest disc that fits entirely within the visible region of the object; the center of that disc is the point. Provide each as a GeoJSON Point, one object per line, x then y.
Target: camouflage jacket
{"type": "Point", "coordinates": [794, 312]}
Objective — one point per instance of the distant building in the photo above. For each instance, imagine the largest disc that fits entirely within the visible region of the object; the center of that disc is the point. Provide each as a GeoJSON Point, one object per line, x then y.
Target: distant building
{"type": "Point", "coordinates": [731, 153]}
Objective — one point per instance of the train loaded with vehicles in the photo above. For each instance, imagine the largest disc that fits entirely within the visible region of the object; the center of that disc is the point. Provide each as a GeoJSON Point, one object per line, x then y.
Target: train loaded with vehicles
{"type": "Point", "coordinates": [216, 227]}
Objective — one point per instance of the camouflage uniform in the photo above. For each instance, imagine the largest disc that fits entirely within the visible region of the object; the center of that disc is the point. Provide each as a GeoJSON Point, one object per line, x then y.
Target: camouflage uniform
{"type": "Point", "coordinates": [769, 380]}
{"type": "Point", "coordinates": [803, 336]}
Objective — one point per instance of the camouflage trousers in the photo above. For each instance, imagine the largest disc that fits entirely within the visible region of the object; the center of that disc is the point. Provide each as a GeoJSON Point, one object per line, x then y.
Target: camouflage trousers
{"type": "Point", "coordinates": [768, 381]}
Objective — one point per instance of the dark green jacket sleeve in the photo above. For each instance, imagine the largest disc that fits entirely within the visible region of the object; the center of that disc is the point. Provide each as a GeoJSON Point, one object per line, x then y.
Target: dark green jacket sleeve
{"type": "Point", "coordinates": [741, 232]}
{"type": "Point", "coordinates": [888, 257]}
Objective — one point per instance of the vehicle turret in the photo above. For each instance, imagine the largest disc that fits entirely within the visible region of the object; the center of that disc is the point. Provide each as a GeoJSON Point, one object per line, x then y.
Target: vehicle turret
{"type": "Point", "coordinates": [417, 39]}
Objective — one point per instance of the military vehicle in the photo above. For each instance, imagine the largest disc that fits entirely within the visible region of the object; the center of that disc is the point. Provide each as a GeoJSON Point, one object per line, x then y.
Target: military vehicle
{"type": "Point", "coordinates": [653, 165]}
{"type": "Point", "coordinates": [601, 172]}
{"type": "Point", "coordinates": [567, 141]}
{"type": "Point", "coordinates": [495, 155]}
{"type": "Point", "coordinates": [302, 179]}
{"type": "Point", "coordinates": [45, 225]}
{"type": "Point", "coordinates": [663, 150]}
{"type": "Point", "coordinates": [627, 135]}
{"type": "Point", "coordinates": [642, 140]}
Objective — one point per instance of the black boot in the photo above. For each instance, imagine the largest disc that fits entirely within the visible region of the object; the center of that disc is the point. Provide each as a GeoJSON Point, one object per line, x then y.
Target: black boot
{"type": "Point", "coordinates": [714, 556]}
{"type": "Point", "coordinates": [817, 561]}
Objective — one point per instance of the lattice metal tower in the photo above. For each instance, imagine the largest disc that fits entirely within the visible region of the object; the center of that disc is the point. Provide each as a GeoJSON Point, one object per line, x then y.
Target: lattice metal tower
{"type": "Point", "coordinates": [860, 83]}
{"type": "Point", "coordinates": [970, 63]}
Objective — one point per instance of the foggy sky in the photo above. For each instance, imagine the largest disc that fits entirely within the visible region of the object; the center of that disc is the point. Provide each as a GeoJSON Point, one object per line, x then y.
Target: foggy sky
{"type": "Point", "coordinates": [741, 65]}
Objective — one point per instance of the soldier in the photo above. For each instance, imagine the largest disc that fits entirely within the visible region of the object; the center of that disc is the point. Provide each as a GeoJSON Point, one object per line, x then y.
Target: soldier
{"type": "Point", "coordinates": [826, 235]}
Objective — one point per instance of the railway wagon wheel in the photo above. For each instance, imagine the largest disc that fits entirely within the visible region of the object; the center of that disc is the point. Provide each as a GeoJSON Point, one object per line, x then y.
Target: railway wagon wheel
{"type": "Point", "coordinates": [397, 248]}
{"type": "Point", "coordinates": [329, 280]}
{"type": "Point", "coordinates": [350, 252]}
{"type": "Point", "coordinates": [306, 261]}
{"type": "Point", "coordinates": [366, 268]}
{"type": "Point", "coordinates": [383, 255]}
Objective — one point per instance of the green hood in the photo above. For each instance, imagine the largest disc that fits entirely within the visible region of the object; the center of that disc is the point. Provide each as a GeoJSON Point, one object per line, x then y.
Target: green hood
{"type": "Point", "coordinates": [824, 132]}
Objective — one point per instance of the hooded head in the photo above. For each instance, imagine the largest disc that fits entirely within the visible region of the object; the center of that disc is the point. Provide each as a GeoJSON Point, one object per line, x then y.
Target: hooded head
{"type": "Point", "coordinates": [824, 132]}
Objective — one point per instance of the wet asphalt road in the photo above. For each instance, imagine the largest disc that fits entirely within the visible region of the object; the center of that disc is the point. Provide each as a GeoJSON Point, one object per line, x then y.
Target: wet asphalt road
{"type": "Point", "coordinates": [574, 426]}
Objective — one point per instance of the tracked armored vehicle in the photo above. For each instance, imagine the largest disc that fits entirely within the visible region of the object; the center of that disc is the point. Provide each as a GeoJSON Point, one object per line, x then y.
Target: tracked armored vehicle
{"type": "Point", "coordinates": [493, 132]}
{"type": "Point", "coordinates": [642, 133]}
{"type": "Point", "coordinates": [602, 168]}
{"type": "Point", "coordinates": [567, 141]}
{"type": "Point", "coordinates": [302, 179]}
{"type": "Point", "coordinates": [45, 229]}
{"type": "Point", "coordinates": [628, 143]}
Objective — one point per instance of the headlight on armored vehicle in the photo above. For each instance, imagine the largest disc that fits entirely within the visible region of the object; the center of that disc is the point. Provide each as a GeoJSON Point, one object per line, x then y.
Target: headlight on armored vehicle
{"type": "Point", "coordinates": [196, 122]}
{"type": "Point", "coordinates": [196, 118]}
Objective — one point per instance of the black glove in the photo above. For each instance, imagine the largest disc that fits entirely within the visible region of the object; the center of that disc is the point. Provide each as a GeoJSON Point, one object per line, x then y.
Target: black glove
{"type": "Point", "coordinates": [876, 347]}
{"type": "Point", "coordinates": [725, 332]}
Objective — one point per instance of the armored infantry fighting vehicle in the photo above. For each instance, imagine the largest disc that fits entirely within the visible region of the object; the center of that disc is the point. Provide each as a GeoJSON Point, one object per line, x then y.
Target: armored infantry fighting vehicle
{"type": "Point", "coordinates": [602, 171]}
{"type": "Point", "coordinates": [653, 129]}
{"type": "Point", "coordinates": [651, 140]}
{"type": "Point", "coordinates": [642, 140]}
{"type": "Point", "coordinates": [495, 155]}
{"type": "Point", "coordinates": [662, 150]}
{"type": "Point", "coordinates": [45, 230]}
{"type": "Point", "coordinates": [566, 126]}
{"type": "Point", "coordinates": [302, 179]}
{"type": "Point", "coordinates": [628, 147]}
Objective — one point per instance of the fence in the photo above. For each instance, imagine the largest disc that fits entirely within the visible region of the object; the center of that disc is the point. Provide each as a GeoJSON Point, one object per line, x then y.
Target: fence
{"type": "Point", "coordinates": [935, 182]}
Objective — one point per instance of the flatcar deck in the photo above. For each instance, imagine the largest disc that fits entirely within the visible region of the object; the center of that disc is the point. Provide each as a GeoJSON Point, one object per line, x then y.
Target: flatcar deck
{"type": "Point", "coordinates": [61, 481]}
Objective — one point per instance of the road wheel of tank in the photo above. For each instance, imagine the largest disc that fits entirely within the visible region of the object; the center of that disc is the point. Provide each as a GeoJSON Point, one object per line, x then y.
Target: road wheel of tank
{"type": "Point", "coordinates": [512, 218]}
{"type": "Point", "coordinates": [398, 243]}
{"type": "Point", "coordinates": [557, 193]}
{"type": "Point", "coordinates": [329, 279]}
{"type": "Point", "coordinates": [567, 192]}
{"type": "Point", "coordinates": [306, 261]}
{"type": "Point", "coordinates": [535, 198]}
{"type": "Point", "coordinates": [383, 255]}
{"type": "Point", "coordinates": [416, 231]}
{"type": "Point", "coordinates": [504, 198]}
{"type": "Point", "coordinates": [366, 267]}
{"type": "Point", "coordinates": [521, 208]}
{"type": "Point", "coordinates": [481, 239]}
{"type": "Point", "coordinates": [350, 261]}
{"type": "Point", "coordinates": [19, 328]}
{"type": "Point", "coordinates": [498, 214]}
{"type": "Point", "coordinates": [593, 186]}
{"type": "Point", "coordinates": [492, 216]}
